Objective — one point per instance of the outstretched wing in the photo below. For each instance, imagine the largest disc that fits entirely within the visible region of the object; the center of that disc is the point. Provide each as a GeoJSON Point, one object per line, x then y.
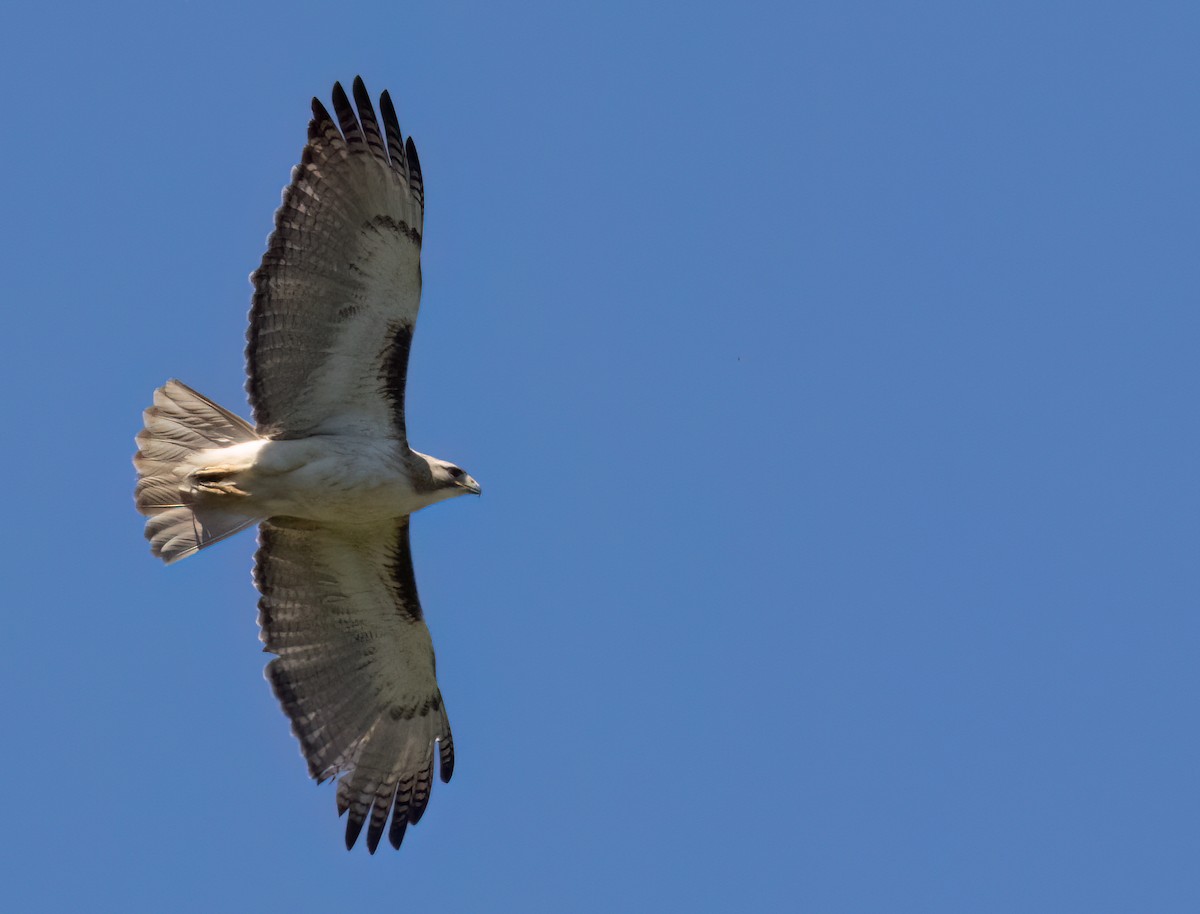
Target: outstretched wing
{"type": "Point", "coordinates": [336, 296]}
{"type": "Point", "coordinates": [355, 666]}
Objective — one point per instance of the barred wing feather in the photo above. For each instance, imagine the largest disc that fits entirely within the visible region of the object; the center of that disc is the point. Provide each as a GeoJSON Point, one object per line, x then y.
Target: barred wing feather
{"type": "Point", "coordinates": [337, 294]}
{"type": "Point", "coordinates": [355, 666]}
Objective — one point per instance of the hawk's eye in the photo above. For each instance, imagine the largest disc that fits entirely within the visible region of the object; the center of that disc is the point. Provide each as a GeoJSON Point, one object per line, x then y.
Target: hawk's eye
{"type": "Point", "coordinates": [455, 472]}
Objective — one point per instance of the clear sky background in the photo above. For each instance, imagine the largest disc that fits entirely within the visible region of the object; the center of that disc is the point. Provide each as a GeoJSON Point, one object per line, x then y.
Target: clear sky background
{"type": "Point", "coordinates": [830, 372]}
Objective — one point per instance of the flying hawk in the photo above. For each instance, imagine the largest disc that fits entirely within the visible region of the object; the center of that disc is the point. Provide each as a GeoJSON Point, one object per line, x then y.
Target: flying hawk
{"type": "Point", "coordinates": [326, 470]}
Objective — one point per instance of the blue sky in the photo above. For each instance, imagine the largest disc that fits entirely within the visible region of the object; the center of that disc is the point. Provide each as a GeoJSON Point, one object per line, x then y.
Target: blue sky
{"type": "Point", "coordinates": [830, 371]}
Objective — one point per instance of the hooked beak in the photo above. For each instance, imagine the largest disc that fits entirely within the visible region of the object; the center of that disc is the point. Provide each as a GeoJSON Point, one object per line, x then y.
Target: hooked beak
{"type": "Point", "coordinates": [471, 486]}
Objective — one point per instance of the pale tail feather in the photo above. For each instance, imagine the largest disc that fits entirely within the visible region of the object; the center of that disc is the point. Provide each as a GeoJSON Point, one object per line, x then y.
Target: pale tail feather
{"type": "Point", "coordinates": [179, 424]}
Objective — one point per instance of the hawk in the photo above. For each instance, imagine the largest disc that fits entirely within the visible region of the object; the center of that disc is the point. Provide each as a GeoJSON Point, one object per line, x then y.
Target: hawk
{"type": "Point", "coordinates": [326, 471]}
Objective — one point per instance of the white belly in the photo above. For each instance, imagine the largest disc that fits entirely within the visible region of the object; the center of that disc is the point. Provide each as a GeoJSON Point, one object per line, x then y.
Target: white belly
{"type": "Point", "coordinates": [325, 478]}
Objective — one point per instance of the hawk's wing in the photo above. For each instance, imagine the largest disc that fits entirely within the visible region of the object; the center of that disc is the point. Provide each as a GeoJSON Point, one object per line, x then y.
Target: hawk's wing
{"type": "Point", "coordinates": [355, 671]}
{"type": "Point", "coordinates": [336, 296]}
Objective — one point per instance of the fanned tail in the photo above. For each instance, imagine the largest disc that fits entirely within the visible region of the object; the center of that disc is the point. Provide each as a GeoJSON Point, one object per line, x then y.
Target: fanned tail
{"type": "Point", "coordinates": [179, 427]}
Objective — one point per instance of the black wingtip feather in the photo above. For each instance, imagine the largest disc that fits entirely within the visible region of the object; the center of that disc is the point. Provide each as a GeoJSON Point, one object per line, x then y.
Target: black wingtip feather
{"type": "Point", "coordinates": [346, 116]}
{"type": "Point", "coordinates": [415, 181]}
{"type": "Point", "coordinates": [395, 139]}
{"type": "Point", "coordinates": [363, 100]}
{"type": "Point", "coordinates": [388, 110]}
{"type": "Point", "coordinates": [396, 832]}
{"type": "Point", "coordinates": [370, 125]}
{"type": "Point", "coordinates": [374, 833]}
{"type": "Point", "coordinates": [414, 163]}
{"type": "Point", "coordinates": [354, 827]}
{"type": "Point", "coordinates": [319, 119]}
{"type": "Point", "coordinates": [419, 798]}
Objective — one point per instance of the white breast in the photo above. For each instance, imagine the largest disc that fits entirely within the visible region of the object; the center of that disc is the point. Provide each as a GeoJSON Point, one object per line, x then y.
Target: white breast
{"type": "Point", "coordinates": [329, 478]}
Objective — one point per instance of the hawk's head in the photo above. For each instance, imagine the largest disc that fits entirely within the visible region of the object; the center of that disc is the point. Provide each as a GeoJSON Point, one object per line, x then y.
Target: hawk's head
{"type": "Point", "coordinates": [454, 479]}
